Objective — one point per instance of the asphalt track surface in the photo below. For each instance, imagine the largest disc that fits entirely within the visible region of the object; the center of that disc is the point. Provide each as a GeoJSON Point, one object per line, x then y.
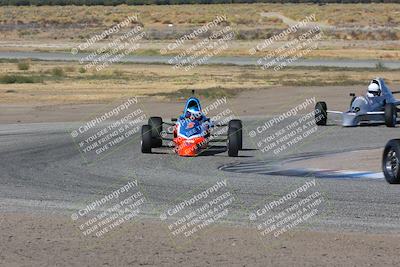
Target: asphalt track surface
{"type": "Point", "coordinates": [42, 171]}
{"type": "Point", "coordinates": [240, 61]}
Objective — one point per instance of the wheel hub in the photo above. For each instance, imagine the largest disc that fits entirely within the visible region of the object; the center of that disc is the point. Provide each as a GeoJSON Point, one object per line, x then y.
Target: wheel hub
{"type": "Point", "coordinates": [392, 163]}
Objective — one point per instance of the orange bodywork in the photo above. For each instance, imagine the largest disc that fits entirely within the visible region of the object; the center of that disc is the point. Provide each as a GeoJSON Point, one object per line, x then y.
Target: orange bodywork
{"type": "Point", "coordinates": [189, 147]}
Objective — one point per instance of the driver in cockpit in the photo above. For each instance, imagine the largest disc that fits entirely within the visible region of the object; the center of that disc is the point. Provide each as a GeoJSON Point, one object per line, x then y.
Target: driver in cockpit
{"type": "Point", "coordinates": [193, 112]}
{"type": "Point", "coordinates": [374, 89]}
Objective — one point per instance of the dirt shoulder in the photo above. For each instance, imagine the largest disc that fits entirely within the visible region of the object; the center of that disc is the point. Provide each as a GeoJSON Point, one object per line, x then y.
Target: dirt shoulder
{"type": "Point", "coordinates": [51, 240]}
{"type": "Point", "coordinates": [54, 83]}
{"type": "Point", "coordinates": [264, 102]}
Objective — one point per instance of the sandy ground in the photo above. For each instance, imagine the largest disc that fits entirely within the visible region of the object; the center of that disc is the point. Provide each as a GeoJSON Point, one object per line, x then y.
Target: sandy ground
{"type": "Point", "coordinates": [34, 240]}
{"type": "Point", "coordinates": [266, 102]}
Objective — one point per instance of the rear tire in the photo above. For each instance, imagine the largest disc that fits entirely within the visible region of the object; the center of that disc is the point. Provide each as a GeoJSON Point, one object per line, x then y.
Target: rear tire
{"type": "Point", "coordinates": [391, 161]}
{"type": "Point", "coordinates": [321, 115]}
{"type": "Point", "coordinates": [156, 128]}
{"type": "Point", "coordinates": [146, 139]}
{"type": "Point", "coordinates": [233, 142]}
{"type": "Point", "coordinates": [237, 124]}
{"type": "Point", "coordinates": [390, 115]}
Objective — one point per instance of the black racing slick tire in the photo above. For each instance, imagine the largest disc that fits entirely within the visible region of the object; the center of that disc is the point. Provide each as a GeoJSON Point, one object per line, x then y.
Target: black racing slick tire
{"type": "Point", "coordinates": [146, 142]}
{"type": "Point", "coordinates": [156, 128]}
{"type": "Point", "coordinates": [390, 115]}
{"type": "Point", "coordinates": [391, 161]}
{"type": "Point", "coordinates": [237, 124]}
{"type": "Point", "coordinates": [321, 115]}
{"type": "Point", "coordinates": [233, 142]}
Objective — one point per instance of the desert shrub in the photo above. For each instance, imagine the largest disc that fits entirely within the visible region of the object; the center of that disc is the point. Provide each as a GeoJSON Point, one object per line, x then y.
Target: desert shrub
{"type": "Point", "coordinates": [57, 72]}
{"type": "Point", "coordinates": [9, 79]}
{"type": "Point", "coordinates": [23, 65]}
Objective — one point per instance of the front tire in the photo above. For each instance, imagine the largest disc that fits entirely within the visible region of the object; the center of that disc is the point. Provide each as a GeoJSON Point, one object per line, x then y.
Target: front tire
{"type": "Point", "coordinates": [237, 124]}
{"type": "Point", "coordinates": [391, 161]}
{"type": "Point", "coordinates": [390, 115]}
{"type": "Point", "coordinates": [156, 128]}
{"type": "Point", "coordinates": [233, 142]}
{"type": "Point", "coordinates": [321, 115]}
{"type": "Point", "coordinates": [146, 139]}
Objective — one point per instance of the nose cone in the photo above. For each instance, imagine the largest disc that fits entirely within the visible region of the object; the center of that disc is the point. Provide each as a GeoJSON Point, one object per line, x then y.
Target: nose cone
{"type": "Point", "coordinates": [360, 104]}
{"type": "Point", "coordinates": [189, 147]}
{"type": "Point", "coordinates": [188, 150]}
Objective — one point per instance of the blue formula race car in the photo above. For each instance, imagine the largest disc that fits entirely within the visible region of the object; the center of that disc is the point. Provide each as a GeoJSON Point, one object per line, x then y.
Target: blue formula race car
{"type": "Point", "coordinates": [191, 132]}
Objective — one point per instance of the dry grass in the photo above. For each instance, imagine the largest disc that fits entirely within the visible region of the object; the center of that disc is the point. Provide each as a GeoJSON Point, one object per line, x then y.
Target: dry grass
{"type": "Point", "coordinates": [52, 28]}
{"type": "Point", "coordinates": [124, 79]}
{"type": "Point", "coordinates": [238, 14]}
{"type": "Point", "coordinates": [80, 22]}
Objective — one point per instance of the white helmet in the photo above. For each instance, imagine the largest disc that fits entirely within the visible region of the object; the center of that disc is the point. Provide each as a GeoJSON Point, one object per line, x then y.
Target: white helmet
{"type": "Point", "coordinates": [373, 90]}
